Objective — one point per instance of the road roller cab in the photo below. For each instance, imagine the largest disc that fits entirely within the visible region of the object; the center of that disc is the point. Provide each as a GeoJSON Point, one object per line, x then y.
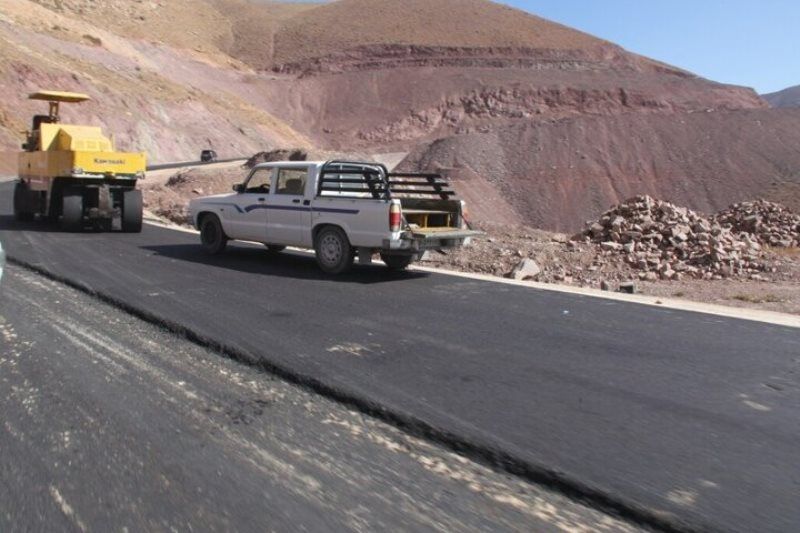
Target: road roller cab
{"type": "Point", "coordinates": [72, 173]}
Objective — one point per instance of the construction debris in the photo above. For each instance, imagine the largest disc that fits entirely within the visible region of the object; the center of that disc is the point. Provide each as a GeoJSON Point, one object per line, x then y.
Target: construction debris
{"type": "Point", "coordinates": [664, 241]}
{"type": "Point", "coordinates": [525, 269]}
{"type": "Point", "coordinates": [769, 223]}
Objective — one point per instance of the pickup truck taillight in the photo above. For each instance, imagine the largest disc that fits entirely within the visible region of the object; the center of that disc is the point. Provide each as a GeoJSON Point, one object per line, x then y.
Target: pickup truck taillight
{"type": "Point", "coordinates": [395, 217]}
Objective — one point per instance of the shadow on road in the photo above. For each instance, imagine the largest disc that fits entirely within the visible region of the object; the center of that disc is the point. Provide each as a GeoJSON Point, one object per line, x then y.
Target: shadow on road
{"type": "Point", "coordinates": [256, 260]}
{"type": "Point", "coordinates": [40, 225]}
{"type": "Point", "coordinates": [9, 223]}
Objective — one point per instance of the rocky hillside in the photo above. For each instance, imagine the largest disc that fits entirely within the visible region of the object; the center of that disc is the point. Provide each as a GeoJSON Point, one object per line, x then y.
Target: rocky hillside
{"type": "Point", "coordinates": [349, 74]}
{"type": "Point", "coordinates": [392, 73]}
{"type": "Point", "coordinates": [157, 89]}
{"type": "Point", "coordinates": [786, 98]}
{"type": "Point", "coordinates": [551, 174]}
{"type": "Point", "coordinates": [541, 124]}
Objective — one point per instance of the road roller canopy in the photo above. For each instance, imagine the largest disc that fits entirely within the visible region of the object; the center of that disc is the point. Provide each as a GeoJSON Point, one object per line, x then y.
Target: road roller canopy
{"type": "Point", "coordinates": [54, 98]}
{"type": "Point", "coordinates": [59, 96]}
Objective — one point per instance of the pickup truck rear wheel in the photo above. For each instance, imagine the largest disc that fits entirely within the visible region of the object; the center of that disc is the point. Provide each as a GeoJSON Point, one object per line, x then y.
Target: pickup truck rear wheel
{"type": "Point", "coordinates": [212, 237]}
{"type": "Point", "coordinates": [397, 262]}
{"type": "Point", "coordinates": [333, 250]}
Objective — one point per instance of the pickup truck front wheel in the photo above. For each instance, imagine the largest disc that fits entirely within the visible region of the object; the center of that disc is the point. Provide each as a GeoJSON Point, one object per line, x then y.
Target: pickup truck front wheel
{"type": "Point", "coordinates": [333, 250]}
{"type": "Point", "coordinates": [212, 237]}
{"type": "Point", "coordinates": [397, 262]}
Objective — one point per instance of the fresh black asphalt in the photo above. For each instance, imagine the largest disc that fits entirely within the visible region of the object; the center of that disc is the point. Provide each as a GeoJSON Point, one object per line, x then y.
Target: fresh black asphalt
{"type": "Point", "coordinates": [690, 418]}
{"type": "Point", "coordinates": [113, 424]}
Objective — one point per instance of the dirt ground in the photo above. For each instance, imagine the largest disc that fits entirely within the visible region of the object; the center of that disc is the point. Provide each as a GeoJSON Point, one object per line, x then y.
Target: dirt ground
{"type": "Point", "coordinates": [584, 265]}
{"type": "Point", "coordinates": [167, 192]}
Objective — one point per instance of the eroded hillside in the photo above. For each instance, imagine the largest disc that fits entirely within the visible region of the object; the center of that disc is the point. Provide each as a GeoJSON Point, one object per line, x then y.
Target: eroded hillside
{"type": "Point", "coordinates": [552, 174]}
{"type": "Point", "coordinates": [551, 125]}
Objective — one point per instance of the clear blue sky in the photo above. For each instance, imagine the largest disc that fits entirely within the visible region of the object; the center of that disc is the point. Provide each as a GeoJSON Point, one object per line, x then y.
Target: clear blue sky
{"type": "Point", "coordinates": [745, 42]}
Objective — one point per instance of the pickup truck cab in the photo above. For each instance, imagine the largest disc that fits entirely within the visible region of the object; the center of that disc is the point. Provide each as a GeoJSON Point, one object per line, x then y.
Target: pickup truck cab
{"type": "Point", "coordinates": [340, 209]}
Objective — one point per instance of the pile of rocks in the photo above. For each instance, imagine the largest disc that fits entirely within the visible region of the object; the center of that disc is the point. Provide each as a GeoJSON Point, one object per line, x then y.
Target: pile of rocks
{"type": "Point", "coordinates": [664, 241]}
{"type": "Point", "coordinates": [770, 223]}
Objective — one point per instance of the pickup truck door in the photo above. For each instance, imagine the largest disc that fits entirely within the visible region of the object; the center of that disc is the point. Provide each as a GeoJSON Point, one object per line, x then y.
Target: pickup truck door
{"type": "Point", "coordinates": [248, 221]}
{"type": "Point", "coordinates": [290, 208]}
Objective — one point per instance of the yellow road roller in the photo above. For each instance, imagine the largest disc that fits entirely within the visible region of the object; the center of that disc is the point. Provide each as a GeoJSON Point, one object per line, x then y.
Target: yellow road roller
{"type": "Point", "coordinates": [71, 174]}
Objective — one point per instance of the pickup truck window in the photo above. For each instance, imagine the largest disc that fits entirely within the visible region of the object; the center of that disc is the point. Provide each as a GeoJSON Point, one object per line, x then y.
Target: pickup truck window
{"type": "Point", "coordinates": [260, 181]}
{"type": "Point", "coordinates": [292, 181]}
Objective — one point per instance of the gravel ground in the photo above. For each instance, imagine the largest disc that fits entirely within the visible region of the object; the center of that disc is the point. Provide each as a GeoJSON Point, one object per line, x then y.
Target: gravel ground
{"type": "Point", "coordinates": [582, 265]}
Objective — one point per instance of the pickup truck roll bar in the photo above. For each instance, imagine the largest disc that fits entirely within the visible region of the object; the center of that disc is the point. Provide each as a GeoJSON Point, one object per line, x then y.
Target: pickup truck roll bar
{"type": "Point", "coordinates": [418, 183]}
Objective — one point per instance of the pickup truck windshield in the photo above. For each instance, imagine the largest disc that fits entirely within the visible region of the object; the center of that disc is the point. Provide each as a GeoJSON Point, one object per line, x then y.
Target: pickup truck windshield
{"type": "Point", "coordinates": [260, 181]}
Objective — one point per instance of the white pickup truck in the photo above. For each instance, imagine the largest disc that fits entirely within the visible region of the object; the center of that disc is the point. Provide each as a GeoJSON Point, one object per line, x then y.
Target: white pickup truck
{"type": "Point", "coordinates": [340, 209]}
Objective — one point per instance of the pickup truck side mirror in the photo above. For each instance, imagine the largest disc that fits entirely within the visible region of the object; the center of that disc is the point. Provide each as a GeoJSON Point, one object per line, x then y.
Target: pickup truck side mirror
{"type": "Point", "coordinates": [238, 187]}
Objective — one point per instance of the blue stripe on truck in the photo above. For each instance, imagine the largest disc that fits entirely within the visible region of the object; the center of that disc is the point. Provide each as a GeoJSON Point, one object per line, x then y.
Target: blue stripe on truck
{"type": "Point", "coordinates": [255, 207]}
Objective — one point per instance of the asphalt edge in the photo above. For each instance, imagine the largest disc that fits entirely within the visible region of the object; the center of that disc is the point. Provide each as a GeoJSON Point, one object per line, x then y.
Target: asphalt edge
{"type": "Point", "coordinates": [739, 313]}
{"type": "Point", "coordinates": [484, 454]}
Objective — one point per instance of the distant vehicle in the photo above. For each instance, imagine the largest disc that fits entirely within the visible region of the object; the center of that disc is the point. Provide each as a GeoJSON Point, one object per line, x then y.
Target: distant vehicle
{"type": "Point", "coordinates": [340, 209]}
{"type": "Point", "coordinates": [208, 156]}
{"type": "Point", "coordinates": [73, 174]}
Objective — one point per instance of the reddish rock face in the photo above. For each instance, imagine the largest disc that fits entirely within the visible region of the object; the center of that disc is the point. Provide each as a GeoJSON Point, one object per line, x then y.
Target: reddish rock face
{"type": "Point", "coordinates": [537, 123]}
{"type": "Point", "coordinates": [389, 74]}
{"type": "Point", "coordinates": [557, 174]}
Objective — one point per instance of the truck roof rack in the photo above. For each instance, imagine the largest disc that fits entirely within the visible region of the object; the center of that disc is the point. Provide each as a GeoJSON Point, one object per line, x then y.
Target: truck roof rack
{"type": "Point", "coordinates": [417, 184]}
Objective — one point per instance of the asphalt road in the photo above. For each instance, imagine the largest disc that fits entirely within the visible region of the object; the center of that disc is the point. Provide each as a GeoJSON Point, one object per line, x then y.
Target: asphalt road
{"type": "Point", "coordinates": [688, 418]}
{"type": "Point", "coordinates": [112, 424]}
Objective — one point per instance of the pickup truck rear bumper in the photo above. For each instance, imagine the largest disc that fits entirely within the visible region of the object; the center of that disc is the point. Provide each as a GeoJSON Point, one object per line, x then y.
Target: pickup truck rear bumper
{"type": "Point", "coordinates": [419, 241]}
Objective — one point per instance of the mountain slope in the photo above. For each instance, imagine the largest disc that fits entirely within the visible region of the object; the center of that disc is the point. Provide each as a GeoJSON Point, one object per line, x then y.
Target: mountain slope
{"type": "Point", "coordinates": [442, 79]}
{"type": "Point", "coordinates": [352, 74]}
{"type": "Point", "coordinates": [558, 174]}
{"type": "Point", "coordinates": [143, 91]}
{"type": "Point", "coordinates": [786, 98]}
{"type": "Point", "coordinates": [363, 73]}
{"type": "Point", "coordinates": [347, 24]}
